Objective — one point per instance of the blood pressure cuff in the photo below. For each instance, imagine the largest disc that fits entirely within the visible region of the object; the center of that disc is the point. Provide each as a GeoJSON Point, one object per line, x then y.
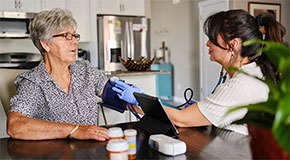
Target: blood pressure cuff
{"type": "Point", "coordinates": [111, 99]}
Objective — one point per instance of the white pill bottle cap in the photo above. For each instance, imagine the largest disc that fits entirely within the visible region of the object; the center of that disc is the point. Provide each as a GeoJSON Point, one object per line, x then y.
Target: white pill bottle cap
{"type": "Point", "coordinates": [130, 132]}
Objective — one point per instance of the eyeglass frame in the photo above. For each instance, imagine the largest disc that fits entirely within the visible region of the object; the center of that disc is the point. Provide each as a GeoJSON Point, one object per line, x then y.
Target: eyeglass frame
{"type": "Point", "coordinates": [65, 35]}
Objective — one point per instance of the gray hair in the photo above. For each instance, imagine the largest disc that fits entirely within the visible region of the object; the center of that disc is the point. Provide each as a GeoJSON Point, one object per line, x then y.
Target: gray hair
{"type": "Point", "coordinates": [47, 23]}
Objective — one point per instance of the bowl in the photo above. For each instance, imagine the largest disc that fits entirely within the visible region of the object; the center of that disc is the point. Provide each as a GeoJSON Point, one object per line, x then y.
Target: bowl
{"type": "Point", "coordinates": [141, 64]}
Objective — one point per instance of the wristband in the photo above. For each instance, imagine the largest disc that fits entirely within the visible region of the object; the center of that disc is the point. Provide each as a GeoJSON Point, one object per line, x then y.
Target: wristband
{"type": "Point", "coordinates": [73, 131]}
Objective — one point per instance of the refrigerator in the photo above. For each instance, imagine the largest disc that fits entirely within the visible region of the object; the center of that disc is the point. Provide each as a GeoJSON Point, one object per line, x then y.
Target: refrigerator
{"type": "Point", "coordinates": [122, 36]}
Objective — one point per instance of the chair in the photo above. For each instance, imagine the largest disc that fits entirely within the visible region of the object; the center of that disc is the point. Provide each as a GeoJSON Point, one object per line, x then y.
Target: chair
{"type": "Point", "coordinates": [7, 90]}
{"type": "Point", "coordinates": [3, 118]}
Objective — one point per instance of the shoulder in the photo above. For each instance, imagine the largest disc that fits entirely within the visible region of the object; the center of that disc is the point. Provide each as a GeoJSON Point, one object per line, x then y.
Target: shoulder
{"type": "Point", "coordinates": [84, 66]}
{"type": "Point", "coordinates": [36, 75]}
{"type": "Point", "coordinates": [242, 89]}
{"type": "Point", "coordinates": [83, 70]}
{"type": "Point", "coordinates": [252, 69]}
{"type": "Point", "coordinates": [252, 81]}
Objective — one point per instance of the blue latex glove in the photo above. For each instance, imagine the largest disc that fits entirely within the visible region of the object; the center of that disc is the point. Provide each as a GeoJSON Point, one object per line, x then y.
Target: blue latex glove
{"type": "Point", "coordinates": [125, 91]}
{"type": "Point", "coordinates": [189, 103]}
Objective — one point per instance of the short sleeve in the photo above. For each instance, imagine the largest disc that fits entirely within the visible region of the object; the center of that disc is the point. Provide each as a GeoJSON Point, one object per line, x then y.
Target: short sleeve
{"type": "Point", "coordinates": [27, 99]}
{"type": "Point", "coordinates": [228, 95]}
{"type": "Point", "coordinates": [100, 80]}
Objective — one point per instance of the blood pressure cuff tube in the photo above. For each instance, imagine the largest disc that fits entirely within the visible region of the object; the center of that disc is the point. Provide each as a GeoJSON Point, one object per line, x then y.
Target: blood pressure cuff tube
{"type": "Point", "coordinates": [111, 99]}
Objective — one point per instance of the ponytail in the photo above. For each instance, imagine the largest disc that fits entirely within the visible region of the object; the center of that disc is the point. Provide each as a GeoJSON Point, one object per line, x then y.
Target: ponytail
{"type": "Point", "coordinates": [273, 31]}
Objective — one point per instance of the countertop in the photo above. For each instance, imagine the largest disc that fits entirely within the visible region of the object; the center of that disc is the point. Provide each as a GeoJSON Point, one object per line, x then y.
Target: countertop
{"type": "Point", "coordinates": [135, 73]}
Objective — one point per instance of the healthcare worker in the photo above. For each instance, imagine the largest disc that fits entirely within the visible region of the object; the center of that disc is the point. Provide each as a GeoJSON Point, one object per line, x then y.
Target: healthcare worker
{"type": "Point", "coordinates": [226, 32]}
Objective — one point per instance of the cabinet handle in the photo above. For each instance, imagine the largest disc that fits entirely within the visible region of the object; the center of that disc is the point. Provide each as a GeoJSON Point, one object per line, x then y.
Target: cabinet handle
{"type": "Point", "coordinates": [15, 4]}
{"type": "Point", "coordinates": [20, 4]}
{"type": "Point", "coordinates": [122, 8]}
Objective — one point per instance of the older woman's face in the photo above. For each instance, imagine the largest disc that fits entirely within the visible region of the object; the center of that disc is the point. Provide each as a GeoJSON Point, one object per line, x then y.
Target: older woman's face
{"type": "Point", "coordinates": [63, 49]}
{"type": "Point", "coordinates": [216, 53]}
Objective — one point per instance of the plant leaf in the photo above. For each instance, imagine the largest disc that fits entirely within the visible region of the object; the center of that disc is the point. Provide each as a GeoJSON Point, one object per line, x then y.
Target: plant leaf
{"type": "Point", "coordinates": [281, 126]}
{"type": "Point", "coordinates": [266, 107]}
{"type": "Point", "coordinates": [285, 83]}
{"type": "Point", "coordinates": [274, 89]}
{"type": "Point", "coordinates": [278, 104]}
{"type": "Point", "coordinates": [281, 135]}
{"type": "Point", "coordinates": [283, 111]}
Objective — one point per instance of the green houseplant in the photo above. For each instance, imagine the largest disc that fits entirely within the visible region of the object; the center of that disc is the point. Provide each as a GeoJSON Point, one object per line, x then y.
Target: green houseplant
{"type": "Point", "coordinates": [274, 114]}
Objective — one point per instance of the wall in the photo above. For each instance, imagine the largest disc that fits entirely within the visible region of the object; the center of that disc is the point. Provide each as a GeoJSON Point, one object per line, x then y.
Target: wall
{"type": "Point", "coordinates": [285, 11]}
{"type": "Point", "coordinates": [177, 25]}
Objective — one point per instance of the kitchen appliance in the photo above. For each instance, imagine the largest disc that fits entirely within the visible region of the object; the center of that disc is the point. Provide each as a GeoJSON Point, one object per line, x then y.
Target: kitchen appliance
{"type": "Point", "coordinates": [15, 24]}
{"type": "Point", "coordinates": [127, 37]}
{"type": "Point", "coordinates": [19, 60]}
{"type": "Point", "coordinates": [83, 54]}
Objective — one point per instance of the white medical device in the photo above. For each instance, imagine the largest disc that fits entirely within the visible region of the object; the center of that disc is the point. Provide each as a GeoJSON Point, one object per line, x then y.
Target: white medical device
{"type": "Point", "coordinates": [167, 145]}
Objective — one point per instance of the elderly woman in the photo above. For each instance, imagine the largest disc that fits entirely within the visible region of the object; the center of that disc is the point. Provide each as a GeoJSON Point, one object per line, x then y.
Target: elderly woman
{"type": "Point", "coordinates": [58, 98]}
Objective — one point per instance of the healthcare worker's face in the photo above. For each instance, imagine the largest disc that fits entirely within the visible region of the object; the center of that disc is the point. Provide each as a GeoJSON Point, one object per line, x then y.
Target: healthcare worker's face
{"type": "Point", "coordinates": [216, 53]}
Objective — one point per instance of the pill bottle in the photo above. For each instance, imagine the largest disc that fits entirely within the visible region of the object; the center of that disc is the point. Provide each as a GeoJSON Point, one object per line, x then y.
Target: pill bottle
{"type": "Point", "coordinates": [115, 133]}
{"type": "Point", "coordinates": [117, 149]}
{"type": "Point", "coordinates": [130, 136]}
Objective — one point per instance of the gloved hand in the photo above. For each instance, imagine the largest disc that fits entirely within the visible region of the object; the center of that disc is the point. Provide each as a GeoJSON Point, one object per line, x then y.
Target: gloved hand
{"type": "Point", "coordinates": [189, 103]}
{"type": "Point", "coordinates": [125, 91]}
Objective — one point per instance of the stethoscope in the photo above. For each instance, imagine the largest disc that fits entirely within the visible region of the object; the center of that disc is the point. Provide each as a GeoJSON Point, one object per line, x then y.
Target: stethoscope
{"type": "Point", "coordinates": [223, 76]}
{"type": "Point", "coordinates": [222, 79]}
{"type": "Point", "coordinates": [188, 101]}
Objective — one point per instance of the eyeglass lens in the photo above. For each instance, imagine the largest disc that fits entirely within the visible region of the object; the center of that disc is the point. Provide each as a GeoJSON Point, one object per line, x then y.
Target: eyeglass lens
{"type": "Point", "coordinates": [69, 36]}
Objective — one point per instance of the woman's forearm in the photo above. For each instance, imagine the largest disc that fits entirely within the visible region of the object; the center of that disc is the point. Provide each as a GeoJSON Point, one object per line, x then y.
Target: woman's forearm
{"type": "Point", "coordinates": [21, 127]}
{"type": "Point", "coordinates": [188, 117]}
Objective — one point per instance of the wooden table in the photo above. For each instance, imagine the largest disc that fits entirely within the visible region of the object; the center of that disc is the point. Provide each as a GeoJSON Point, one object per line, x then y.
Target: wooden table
{"type": "Point", "coordinates": [202, 143]}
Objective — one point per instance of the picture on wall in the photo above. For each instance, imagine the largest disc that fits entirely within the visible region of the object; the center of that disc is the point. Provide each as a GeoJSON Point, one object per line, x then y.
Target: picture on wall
{"type": "Point", "coordinates": [271, 9]}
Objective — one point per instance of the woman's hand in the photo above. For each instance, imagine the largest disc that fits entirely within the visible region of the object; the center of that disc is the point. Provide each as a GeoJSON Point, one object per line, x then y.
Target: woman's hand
{"type": "Point", "coordinates": [90, 132]}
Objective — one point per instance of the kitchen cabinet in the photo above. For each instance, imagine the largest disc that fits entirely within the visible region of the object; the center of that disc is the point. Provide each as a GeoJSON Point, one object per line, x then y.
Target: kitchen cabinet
{"type": "Point", "coordinates": [81, 13]}
{"type": "Point", "coordinates": [21, 5]}
{"type": "Point", "coordinates": [50, 4]}
{"type": "Point", "coordinates": [163, 81]}
{"type": "Point", "coordinates": [121, 7]}
{"type": "Point", "coordinates": [80, 10]}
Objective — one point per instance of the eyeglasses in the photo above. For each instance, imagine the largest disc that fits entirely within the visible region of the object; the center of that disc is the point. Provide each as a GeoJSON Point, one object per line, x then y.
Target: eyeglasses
{"type": "Point", "coordinates": [68, 36]}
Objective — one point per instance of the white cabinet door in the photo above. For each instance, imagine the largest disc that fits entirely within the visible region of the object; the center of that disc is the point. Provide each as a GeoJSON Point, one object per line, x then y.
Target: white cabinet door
{"type": "Point", "coordinates": [133, 7]}
{"type": "Point", "coordinates": [121, 7]}
{"type": "Point", "coordinates": [30, 6]}
{"type": "Point", "coordinates": [7, 5]}
{"type": "Point", "coordinates": [50, 4]}
{"type": "Point", "coordinates": [80, 10]}
{"type": "Point", "coordinates": [21, 5]}
{"type": "Point", "coordinates": [81, 13]}
{"type": "Point", "coordinates": [108, 7]}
